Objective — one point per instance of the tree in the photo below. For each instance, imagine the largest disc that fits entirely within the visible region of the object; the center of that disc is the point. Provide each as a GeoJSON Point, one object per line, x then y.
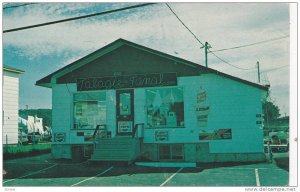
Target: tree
{"type": "Point", "coordinates": [271, 111]}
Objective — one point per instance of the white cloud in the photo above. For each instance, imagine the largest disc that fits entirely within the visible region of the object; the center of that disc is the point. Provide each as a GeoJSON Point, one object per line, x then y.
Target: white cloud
{"type": "Point", "coordinates": [222, 25]}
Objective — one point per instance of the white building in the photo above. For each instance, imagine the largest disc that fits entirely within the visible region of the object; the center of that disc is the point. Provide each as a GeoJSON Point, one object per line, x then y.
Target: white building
{"type": "Point", "coordinates": [190, 113]}
{"type": "Point", "coordinates": [10, 104]}
{"type": "Point", "coordinates": [33, 124]}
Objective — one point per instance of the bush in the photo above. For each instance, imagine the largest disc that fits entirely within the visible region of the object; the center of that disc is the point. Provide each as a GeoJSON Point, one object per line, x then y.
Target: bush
{"type": "Point", "coordinates": [15, 151]}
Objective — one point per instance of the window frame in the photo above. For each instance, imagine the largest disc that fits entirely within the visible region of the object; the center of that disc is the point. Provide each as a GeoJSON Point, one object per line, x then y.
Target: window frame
{"type": "Point", "coordinates": [87, 100]}
{"type": "Point", "coordinates": [146, 108]}
{"type": "Point", "coordinates": [171, 152]}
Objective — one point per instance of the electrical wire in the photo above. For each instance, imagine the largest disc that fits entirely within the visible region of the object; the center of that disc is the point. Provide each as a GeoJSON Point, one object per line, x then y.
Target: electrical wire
{"type": "Point", "coordinates": [230, 63]}
{"type": "Point", "coordinates": [76, 18]}
{"type": "Point", "coordinates": [256, 43]}
{"type": "Point", "coordinates": [184, 24]}
{"type": "Point", "coordinates": [202, 43]}
{"type": "Point", "coordinates": [15, 6]}
{"type": "Point", "coordinates": [275, 68]}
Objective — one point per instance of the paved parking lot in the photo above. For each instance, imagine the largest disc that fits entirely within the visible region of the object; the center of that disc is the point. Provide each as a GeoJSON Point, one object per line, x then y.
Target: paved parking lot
{"type": "Point", "coordinates": [44, 171]}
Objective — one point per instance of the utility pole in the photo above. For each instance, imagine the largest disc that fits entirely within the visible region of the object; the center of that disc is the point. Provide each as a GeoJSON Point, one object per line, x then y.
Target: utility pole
{"type": "Point", "coordinates": [206, 47]}
{"type": "Point", "coordinates": [258, 73]}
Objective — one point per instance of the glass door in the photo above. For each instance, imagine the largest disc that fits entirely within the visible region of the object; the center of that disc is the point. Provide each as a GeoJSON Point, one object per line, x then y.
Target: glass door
{"type": "Point", "coordinates": [125, 112]}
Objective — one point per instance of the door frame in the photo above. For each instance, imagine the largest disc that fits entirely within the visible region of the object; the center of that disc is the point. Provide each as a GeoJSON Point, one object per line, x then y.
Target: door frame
{"type": "Point", "coordinates": [124, 118]}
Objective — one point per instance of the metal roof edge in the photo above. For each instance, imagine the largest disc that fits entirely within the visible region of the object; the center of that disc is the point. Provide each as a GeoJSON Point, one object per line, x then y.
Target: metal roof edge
{"type": "Point", "coordinates": [11, 69]}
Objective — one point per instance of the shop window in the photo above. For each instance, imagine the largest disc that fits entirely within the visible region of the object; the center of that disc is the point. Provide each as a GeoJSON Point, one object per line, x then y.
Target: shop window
{"type": "Point", "coordinates": [164, 152]}
{"type": "Point", "coordinates": [171, 152]}
{"type": "Point", "coordinates": [89, 110]}
{"type": "Point", "coordinates": [177, 152]}
{"type": "Point", "coordinates": [165, 107]}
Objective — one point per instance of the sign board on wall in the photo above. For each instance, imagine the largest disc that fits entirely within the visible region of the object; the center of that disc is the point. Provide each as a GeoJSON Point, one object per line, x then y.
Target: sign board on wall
{"type": "Point", "coordinates": [216, 135]}
{"type": "Point", "coordinates": [130, 81]}
{"type": "Point", "coordinates": [161, 135]}
{"type": "Point", "coordinates": [59, 137]}
{"type": "Point", "coordinates": [202, 109]}
{"type": "Point", "coordinates": [88, 137]}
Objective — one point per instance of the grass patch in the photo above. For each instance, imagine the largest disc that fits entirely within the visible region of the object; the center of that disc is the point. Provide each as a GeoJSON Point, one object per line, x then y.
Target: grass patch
{"type": "Point", "coordinates": [16, 151]}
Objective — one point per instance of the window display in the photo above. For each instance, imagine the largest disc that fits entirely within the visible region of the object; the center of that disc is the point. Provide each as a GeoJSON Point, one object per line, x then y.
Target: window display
{"type": "Point", "coordinates": [89, 110]}
{"type": "Point", "coordinates": [165, 107]}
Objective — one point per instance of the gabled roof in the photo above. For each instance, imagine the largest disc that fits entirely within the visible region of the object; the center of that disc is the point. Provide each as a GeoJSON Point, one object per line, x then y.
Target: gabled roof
{"type": "Point", "coordinates": [12, 69]}
{"type": "Point", "coordinates": [51, 79]}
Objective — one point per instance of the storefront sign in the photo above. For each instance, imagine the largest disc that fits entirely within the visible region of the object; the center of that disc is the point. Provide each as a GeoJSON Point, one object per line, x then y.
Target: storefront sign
{"type": "Point", "coordinates": [132, 81]}
{"type": "Point", "coordinates": [216, 135]}
{"type": "Point", "coordinates": [161, 135]}
{"type": "Point", "coordinates": [60, 137]}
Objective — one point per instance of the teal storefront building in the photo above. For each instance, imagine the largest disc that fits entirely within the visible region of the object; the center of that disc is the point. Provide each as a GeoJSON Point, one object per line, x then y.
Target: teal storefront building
{"type": "Point", "coordinates": [126, 102]}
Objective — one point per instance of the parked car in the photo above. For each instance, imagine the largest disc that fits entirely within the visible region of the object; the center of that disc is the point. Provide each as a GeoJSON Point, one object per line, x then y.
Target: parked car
{"type": "Point", "coordinates": [34, 137]}
{"type": "Point", "coordinates": [22, 138]}
{"type": "Point", "coordinates": [267, 140]}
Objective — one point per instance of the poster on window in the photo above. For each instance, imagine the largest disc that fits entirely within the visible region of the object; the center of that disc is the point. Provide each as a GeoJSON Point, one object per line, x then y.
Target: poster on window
{"type": "Point", "coordinates": [216, 135]}
{"type": "Point", "coordinates": [202, 109]}
{"type": "Point", "coordinates": [124, 126]}
{"type": "Point", "coordinates": [165, 107]}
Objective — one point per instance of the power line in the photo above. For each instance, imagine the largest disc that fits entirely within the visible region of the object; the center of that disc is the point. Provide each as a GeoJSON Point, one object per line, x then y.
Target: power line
{"type": "Point", "coordinates": [76, 18]}
{"type": "Point", "coordinates": [275, 68]}
{"type": "Point", "coordinates": [15, 6]}
{"type": "Point", "coordinates": [256, 43]}
{"type": "Point", "coordinates": [184, 24]}
{"type": "Point", "coordinates": [230, 63]}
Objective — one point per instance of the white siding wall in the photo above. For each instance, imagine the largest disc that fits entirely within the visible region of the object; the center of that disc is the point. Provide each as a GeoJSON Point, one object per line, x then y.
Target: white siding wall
{"type": "Point", "coordinates": [139, 106]}
{"type": "Point", "coordinates": [111, 111]}
{"type": "Point", "coordinates": [62, 108]}
{"type": "Point", "coordinates": [10, 107]}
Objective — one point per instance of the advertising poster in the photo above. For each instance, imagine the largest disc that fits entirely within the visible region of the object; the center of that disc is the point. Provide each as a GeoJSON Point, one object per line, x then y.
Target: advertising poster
{"type": "Point", "coordinates": [216, 135]}
{"type": "Point", "coordinates": [202, 109]}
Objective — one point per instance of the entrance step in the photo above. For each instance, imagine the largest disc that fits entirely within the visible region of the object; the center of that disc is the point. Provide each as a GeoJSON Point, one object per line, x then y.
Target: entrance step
{"type": "Point", "coordinates": [166, 164]}
{"type": "Point", "coordinates": [117, 149]}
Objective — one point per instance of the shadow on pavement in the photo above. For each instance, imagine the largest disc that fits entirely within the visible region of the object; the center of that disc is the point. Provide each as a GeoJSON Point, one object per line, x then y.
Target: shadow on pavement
{"type": "Point", "coordinates": [67, 169]}
{"type": "Point", "coordinates": [282, 162]}
{"type": "Point", "coordinates": [225, 164]}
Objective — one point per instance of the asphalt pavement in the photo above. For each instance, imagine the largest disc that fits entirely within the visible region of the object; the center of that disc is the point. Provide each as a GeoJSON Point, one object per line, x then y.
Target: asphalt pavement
{"type": "Point", "coordinates": [44, 171]}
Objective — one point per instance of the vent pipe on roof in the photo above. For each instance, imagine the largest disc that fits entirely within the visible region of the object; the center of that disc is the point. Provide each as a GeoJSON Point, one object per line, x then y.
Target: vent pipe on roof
{"type": "Point", "coordinates": [258, 72]}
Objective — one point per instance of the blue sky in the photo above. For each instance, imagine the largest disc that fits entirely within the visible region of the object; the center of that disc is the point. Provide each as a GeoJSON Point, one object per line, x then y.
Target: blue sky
{"type": "Point", "coordinates": [40, 51]}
